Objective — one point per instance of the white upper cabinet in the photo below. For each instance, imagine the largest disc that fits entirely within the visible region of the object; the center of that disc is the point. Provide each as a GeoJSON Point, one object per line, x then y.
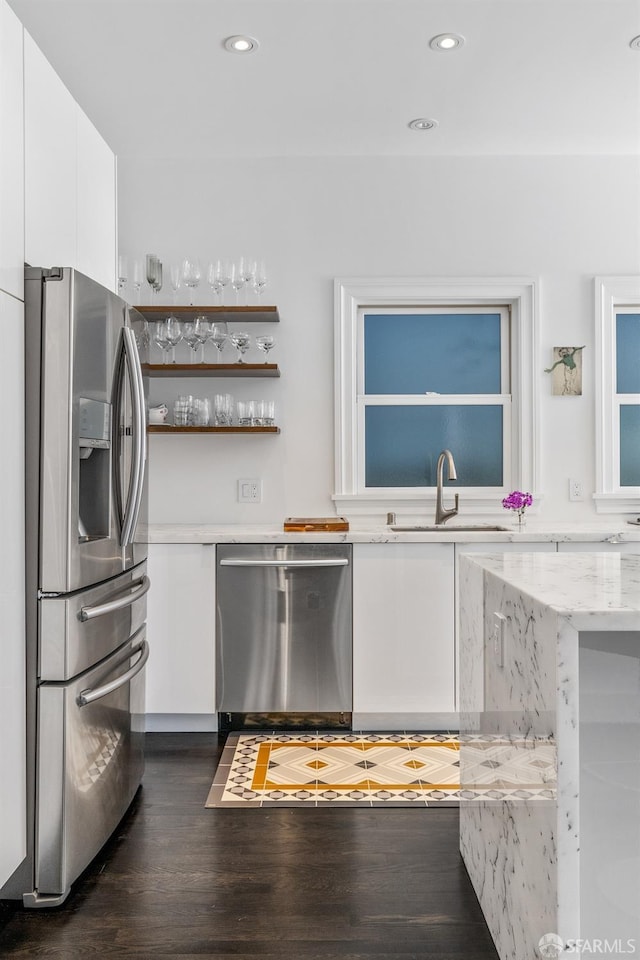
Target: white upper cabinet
{"type": "Point", "coordinates": [96, 200]}
{"type": "Point", "coordinates": [70, 179]}
{"type": "Point", "coordinates": [11, 154]}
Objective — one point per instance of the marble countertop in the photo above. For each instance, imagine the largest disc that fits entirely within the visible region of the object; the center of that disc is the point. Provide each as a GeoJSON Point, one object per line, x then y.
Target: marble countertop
{"type": "Point", "coordinates": [618, 531]}
{"type": "Point", "coordinates": [594, 590]}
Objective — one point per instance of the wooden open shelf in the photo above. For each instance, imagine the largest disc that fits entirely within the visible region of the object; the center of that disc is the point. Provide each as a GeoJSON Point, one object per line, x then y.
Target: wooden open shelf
{"type": "Point", "coordinates": [186, 370]}
{"type": "Point", "coordinates": [169, 428]}
{"type": "Point", "coordinates": [253, 314]}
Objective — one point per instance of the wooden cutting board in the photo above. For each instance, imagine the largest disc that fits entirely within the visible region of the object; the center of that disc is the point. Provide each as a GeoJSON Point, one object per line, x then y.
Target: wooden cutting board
{"type": "Point", "coordinates": [315, 524]}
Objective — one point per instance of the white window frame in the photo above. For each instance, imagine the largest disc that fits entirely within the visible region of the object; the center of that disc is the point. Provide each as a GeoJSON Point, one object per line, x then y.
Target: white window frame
{"type": "Point", "coordinates": [612, 295]}
{"type": "Point", "coordinates": [352, 295]}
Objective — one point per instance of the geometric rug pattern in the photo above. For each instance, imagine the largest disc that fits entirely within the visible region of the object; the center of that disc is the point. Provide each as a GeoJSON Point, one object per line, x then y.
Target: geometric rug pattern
{"type": "Point", "coordinates": [376, 769]}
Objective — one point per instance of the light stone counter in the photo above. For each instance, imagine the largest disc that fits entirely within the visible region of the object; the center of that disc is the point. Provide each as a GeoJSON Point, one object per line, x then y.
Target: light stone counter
{"type": "Point", "coordinates": [618, 531]}
{"type": "Point", "coordinates": [550, 749]}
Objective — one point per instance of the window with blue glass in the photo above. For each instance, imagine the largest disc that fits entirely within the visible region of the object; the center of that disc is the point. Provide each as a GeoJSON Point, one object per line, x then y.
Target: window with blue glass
{"type": "Point", "coordinates": [628, 395]}
{"type": "Point", "coordinates": [434, 378]}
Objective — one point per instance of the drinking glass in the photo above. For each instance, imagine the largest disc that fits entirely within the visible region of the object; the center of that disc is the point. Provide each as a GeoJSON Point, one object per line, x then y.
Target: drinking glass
{"type": "Point", "coordinates": [123, 273]}
{"type": "Point", "coordinates": [175, 276]}
{"type": "Point", "coordinates": [202, 331]}
{"type": "Point", "coordinates": [154, 274]}
{"type": "Point", "coordinates": [241, 342]}
{"type": "Point", "coordinates": [183, 411]}
{"type": "Point", "coordinates": [265, 344]}
{"type": "Point", "coordinates": [247, 269]}
{"type": "Point", "coordinates": [260, 279]}
{"type": "Point", "coordinates": [223, 410]}
{"type": "Point", "coordinates": [219, 337]}
{"type": "Point", "coordinates": [160, 338]}
{"type": "Point", "coordinates": [191, 274]}
{"type": "Point", "coordinates": [136, 279]}
{"type": "Point", "coordinates": [223, 276]}
{"type": "Point", "coordinates": [237, 280]}
{"type": "Point", "coordinates": [189, 336]}
{"type": "Point", "coordinates": [213, 279]}
{"type": "Point", "coordinates": [173, 333]}
{"type": "Point", "coordinates": [268, 413]}
{"type": "Point", "coordinates": [244, 413]}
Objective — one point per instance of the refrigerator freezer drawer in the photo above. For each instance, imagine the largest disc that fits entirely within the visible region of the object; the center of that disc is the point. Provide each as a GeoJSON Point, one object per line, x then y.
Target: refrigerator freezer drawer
{"type": "Point", "coordinates": [79, 629]}
{"type": "Point", "coordinates": [90, 763]}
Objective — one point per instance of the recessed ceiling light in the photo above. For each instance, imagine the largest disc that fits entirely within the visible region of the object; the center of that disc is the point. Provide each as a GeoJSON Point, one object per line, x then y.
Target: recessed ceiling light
{"type": "Point", "coordinates": [635, 43]}
{"type": "Point", "coordinates": [446, 41]}
{"type": "Point", "coordinates": [423, 123]}
{"type": "Point", "coordinates": [241, 44]}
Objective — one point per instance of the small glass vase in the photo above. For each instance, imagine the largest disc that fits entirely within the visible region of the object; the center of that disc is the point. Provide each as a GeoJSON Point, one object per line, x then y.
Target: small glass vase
{"type": "Point", "coordinates": [521, 521]}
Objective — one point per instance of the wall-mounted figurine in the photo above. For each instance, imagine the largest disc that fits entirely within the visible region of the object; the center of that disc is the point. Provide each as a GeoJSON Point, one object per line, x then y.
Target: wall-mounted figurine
{"type": "Point", "coordinates": [567, 371]}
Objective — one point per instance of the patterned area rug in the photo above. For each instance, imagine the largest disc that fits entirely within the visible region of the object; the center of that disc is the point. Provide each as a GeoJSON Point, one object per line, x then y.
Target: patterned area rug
{"type": "Point", "coordinates": [337, 769]}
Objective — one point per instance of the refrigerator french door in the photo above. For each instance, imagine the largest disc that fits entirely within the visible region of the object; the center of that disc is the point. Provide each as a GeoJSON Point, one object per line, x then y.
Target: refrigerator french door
{"type": "Point", "coordinates": [86, 577]}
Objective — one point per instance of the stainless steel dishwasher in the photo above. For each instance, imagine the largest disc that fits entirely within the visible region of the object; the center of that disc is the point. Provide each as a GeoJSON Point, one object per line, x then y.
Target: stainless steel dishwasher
{"type": "Point", "coordinates": [284, 635]}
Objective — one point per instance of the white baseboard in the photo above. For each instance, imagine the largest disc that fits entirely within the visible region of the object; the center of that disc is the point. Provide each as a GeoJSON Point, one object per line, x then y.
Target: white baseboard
{"type": "Point", "coordinates": [418, 722]}
{"type": "Point", "coordinates": [181, 722]}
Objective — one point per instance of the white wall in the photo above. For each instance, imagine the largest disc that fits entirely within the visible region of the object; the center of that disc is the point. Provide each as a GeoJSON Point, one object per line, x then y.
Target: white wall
{"type": "Point", "coordinates": [561, 219]}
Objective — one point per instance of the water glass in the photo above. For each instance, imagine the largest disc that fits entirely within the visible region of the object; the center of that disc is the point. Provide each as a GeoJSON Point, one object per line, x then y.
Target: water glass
{"type": "Point", "coordinates": [245, 411]}
{"type": "Point", "coordinates": [201, 416]}
{"type": "Point", "coordinates": [223, 410]}
{"type": "Point", "coordinates": [183, 411]}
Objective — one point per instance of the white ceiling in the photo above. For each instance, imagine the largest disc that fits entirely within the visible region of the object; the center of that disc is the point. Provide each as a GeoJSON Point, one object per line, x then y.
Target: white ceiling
{"type": "Point", "coordinates": [344, 77]}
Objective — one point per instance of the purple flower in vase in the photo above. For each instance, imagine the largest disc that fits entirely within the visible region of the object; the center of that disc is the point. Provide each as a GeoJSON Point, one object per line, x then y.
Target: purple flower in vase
{"type": "Point", "coordinates": [518, 501]}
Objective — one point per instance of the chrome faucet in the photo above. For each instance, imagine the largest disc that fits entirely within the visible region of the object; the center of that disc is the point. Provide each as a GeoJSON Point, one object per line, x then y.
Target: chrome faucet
{"type": "Point", "coordinates": [443, 515]}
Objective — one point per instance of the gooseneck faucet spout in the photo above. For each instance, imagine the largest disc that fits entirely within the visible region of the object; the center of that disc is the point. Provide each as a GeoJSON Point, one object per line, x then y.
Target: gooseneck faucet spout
{"type": "Point", "coordinates": [443, 515]}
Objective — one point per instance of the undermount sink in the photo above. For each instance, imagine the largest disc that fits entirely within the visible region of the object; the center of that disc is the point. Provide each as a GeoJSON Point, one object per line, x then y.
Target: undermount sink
{"type": "Point", "coordinates": [450, 528]}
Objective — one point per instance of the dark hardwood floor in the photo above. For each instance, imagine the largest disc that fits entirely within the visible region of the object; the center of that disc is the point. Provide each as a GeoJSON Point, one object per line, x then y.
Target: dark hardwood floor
{"type": "Point", "coordinates": [180, 881]}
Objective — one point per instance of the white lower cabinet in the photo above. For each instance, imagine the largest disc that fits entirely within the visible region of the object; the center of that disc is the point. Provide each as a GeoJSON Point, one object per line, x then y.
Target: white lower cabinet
{"type": "Point", "coordinates": [181, 630]}
{"type": "Point", "coordinates": [13, 803]}
{"type": "Point", "coordinates": [403, 636]}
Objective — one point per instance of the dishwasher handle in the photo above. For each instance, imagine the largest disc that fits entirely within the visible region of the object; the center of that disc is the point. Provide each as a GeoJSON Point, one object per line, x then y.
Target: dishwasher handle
{"type": "Point", "coordinates": [248, 562]}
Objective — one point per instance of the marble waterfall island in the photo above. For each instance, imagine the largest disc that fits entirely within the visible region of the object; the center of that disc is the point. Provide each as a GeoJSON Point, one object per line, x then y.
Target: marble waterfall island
{"type": "Point", "coordinates": [549, 659]}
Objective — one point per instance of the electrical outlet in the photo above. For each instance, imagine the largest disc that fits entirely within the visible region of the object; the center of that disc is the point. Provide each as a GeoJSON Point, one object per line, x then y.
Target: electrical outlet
{"type": "Point", "coordinates": [499, 625]}
{"type": "Point", "coordinates": [575, 490]}
{"type": "Point", "coordinates": [250, 491]}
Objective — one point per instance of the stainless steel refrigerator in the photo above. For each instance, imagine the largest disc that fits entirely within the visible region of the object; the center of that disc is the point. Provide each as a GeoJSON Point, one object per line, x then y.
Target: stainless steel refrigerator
{"type": "Point", "coordinates": [86, 576]}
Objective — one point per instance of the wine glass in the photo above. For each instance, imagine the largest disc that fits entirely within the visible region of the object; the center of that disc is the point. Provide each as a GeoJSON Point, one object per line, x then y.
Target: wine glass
{"type": "Point", "coordinates": [223, 276]}
{"type": "Point", "coordinates": [123, 273]}
{"type": "Point", "coordinates": [237, 280]}
{"type": "Point", "coordinates": [202, 331]}
{"type": "Point", "coordinates": [219, 337]}
{"type": "Point", "coordinates": [154, 274]}
{"type": "Point", "coordinates": [189, 336]}
{"type": "Point", "coordinates": [260, 279]}
{"type": "Point", "coordinates": [136, 279]}
{"type": "Point", "coordinates": [175, 276]}
{"type": "Point", "coordinates": [213, 279]}
{"type": "Point", "coordinates": [191, 274]}
{"type": "Point", "coordinates": [247, 269]}
{"type": "Point", "coordinates": [241, 342]}
{"type": "Point", "coordinates": [173, 334]}
{"type": "Point", "coordinates": [160, 338]}
{"type": "Point", "coordinates": [265, 344]}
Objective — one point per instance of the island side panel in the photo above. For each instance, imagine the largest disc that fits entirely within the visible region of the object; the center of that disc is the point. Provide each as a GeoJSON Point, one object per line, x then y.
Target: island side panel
{"type": "Point", "coordinates": [508, 762]}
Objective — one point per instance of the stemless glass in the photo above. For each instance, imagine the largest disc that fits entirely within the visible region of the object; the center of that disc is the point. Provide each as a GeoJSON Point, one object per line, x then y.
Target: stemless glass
{"type": "Point", "coordinates": [241, 342]}
{"type": "Point", "coordinates": [189, 336]}
{"type": "Point", "coordinates": [265, 344]}
{"type": "Point", "coordinates": [219, 337]}
{"type": "Point", "coordinates": [191, 274]}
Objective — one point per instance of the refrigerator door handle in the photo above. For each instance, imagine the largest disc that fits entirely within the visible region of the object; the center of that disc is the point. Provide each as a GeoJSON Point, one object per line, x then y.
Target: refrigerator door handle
{"type": "Point", "coordinates": [134, 499]}
{"type": "Point", "coordinates": [89, 695]}
{"type": "Point", "coordinates": [240, 562]}
{"type": "Point", "coordinates": [119, 603]}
